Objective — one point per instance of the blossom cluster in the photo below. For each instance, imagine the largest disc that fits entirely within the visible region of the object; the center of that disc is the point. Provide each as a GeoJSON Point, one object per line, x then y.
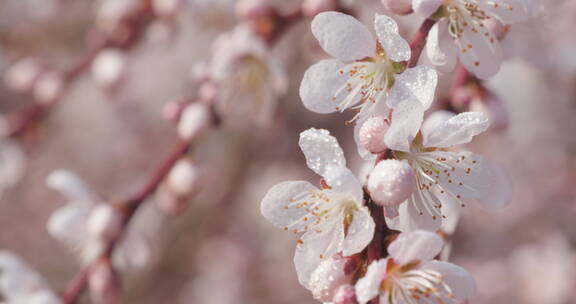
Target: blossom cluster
{"type": "Point", "coordinates": [420, 179]}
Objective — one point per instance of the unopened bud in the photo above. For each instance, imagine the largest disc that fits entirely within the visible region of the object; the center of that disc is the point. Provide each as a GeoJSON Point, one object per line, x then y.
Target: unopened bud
{"type": "Point", "coordinates": [346, 294]}
{"type": "Point", "coordinates": [391, 182]}
{"type": "Point", "coordinates": [179, 187]}
{"type": "Point", "coordinates": [109, 68]}
{"type": "Point", "coordinates": [49, 87]}
{"type": "Point", "coordinates": [399, 7]}
{"type": "Point", "coordinates": [372, 133]}
{"type": "Point", "coordinates": [312, 8]}
{"type": "Point", "coordinates": [22, 75]}
{"type": "Point", "coordinates": [329, 275]}
{"type": "Point", "coordinates": [104, 222]}
{"type": "Point", "coordinates": [183, 178]}
{"type": "Point", "coordinates": [173, 110]}
{"type": "Point", "coordinates": [194, 120]}
{"type": "Point", "coordinates": [104, 284]}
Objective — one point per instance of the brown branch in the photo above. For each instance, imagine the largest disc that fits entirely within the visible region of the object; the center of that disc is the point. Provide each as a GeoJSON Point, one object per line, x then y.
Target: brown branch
{"type": "Point", "coordinates": [419, 41]}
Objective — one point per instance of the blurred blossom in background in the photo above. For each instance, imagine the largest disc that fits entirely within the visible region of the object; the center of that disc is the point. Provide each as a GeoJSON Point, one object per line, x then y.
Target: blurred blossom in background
{"type": "Point", "coordinates": [96, 94]}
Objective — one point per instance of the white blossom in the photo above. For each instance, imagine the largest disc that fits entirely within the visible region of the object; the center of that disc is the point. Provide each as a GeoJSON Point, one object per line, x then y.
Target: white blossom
{"type": "Point", "coordinates": [368, 74]}
{"type": "Point", "coordinates": [411, 276]}
{"type": "Point", "coordinates": [78, 224]}
{"type": "Point", "coordinates": [330, 220]}
{"type": "Point", "coordinates": [20, 284]}
{"type": "Point", "coordinates": [462, 32]}
{"type": "Point", "coordinates": [249, 78]}
{"type": "Point", "coordinates": [445, 178]}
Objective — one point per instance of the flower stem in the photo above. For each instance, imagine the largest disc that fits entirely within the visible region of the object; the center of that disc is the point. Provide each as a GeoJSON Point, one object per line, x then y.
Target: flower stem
{"type": "Point", "coordinates": [419, 41]}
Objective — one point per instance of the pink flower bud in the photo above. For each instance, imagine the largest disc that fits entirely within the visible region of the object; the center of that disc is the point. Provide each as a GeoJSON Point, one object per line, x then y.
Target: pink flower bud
{"type": "Point", "coordinates": [180, 185]}
{"type": "Point", "coordinates": [49, 87]}
{"type": "Point", "coordinates": [183, 178]}
{"type": "Point", "coordinates": [104, 222]}
{"type": "Point", "coordinates": [22, 75]}
{"type": "Point", "coordinates": [346, 294]}
{"type": "Point", "coordinates": [399, 7]}
{"type": "Point", "coordinates": [391, 182]}
{"type": "Point", "coordinates": [329, 275]}
{"type": "Point", "coordinates": [372, 133]}
{"type": "Point", "coordinates": [104, 284]}
{"type": "Point", "coordinates": [312, 8]}
{"type": "Point", "coordinates": [173, 110]}
{"type": "Point", "coordinates": [253, 9]}
{"type": "Point", "coordinates": [109, 68]}
{"type": "Point", "coordinates": [194, 120]}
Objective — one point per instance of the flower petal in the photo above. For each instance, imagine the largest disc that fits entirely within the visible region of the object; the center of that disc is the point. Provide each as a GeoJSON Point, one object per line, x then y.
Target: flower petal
{"type": "Point", "coordinates": [457, 130]}
{"type": "Point", "coordinates": [71, 186]}
{"type": "Point", "coordinates": [359, 233]}
{"type": "Point", "coordinates": [475, 178]}
{"type": "Point", "coordinates": [342, 36]}
{"type": "Point", "coordinates": [278, 205]}
{"type": "Point", "coordinates": [368, 287]}
{"type": "Point", "coordinates": [133, 251]}
{"type": "Point", "coordinates": [314, 247]}
{"type": "Point", "coordinates": [396, 48]}
{"type": "Point", "coordinates": [457, 278]}
{"type": "Point", "coordinates": [480, 51]}
{"type": "Point", "coordinates": [415, 246]}
{"type": "Point", "coordinates": [440, 47]}
{"type": "Point", "coordinates": [320, 84]}
{"type": "Point", "coordinates": [17, 278]}
{"type": "Point", "coordinates": [342, 180]}
{"type": "Point", "coordinates": [410, 219]}
{"type": "Point", "coordinates": [435, 119]}
{"type": "Point", "coordinates": [68, 225]}
{"type": "Point", "coordinates": [415, 84]}
{"type": "Point", "coordinates": [507, 11]}
{"type": "Point", "coordinates": [406, 120]}
{"type": "Point", "coordinates": [321, 150]}
{"type": "Point", "coordinates": [13, 163]}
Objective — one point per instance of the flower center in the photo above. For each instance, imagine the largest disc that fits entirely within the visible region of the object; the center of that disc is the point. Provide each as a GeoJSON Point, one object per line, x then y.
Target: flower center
{"type": "Point", "coordinates": [440, 176]}
{"type": "Point", "coordinates": [367, 84]}
{"type": "Point", "coordinates": [323, 209]}
{"type": "Point", "coordinates": [411, 283]}
{"type": "Point", "coordinates": [464, 13]}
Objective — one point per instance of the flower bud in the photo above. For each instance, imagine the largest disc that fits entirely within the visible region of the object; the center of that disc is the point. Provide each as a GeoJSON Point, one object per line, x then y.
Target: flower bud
{"type": "Point", "coordinates": [104, 222]}
{"type": "Point", "coordinates": [173, 110]}
{"type": "Point", "coordinates": [104, 284]}
{"type": "Point", "coordinates": [22, 75]}
{"type": "Point", "coordinates": [194, 119]}
{"type": "Point", "coordinates": [399, 7]}
{"type": "Point", "coordinates": [426, 8]}
{"type": "Point", "coordinates": [372, 133]}
{"type": "Point", "coordinates": [328, 276]}
{"type": "Point", "coordinates": [49, 87]}
{"type": "Point", "coordinates": [109, 68]}
{"type": "Point", "coordinates": [312, 8]}
{"type": "Point", "coordinates": [346, 294]}
{"type": "Point", "coordinates": [180, 185]}
{"type": "Point", "coordinates": [391, 182]}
